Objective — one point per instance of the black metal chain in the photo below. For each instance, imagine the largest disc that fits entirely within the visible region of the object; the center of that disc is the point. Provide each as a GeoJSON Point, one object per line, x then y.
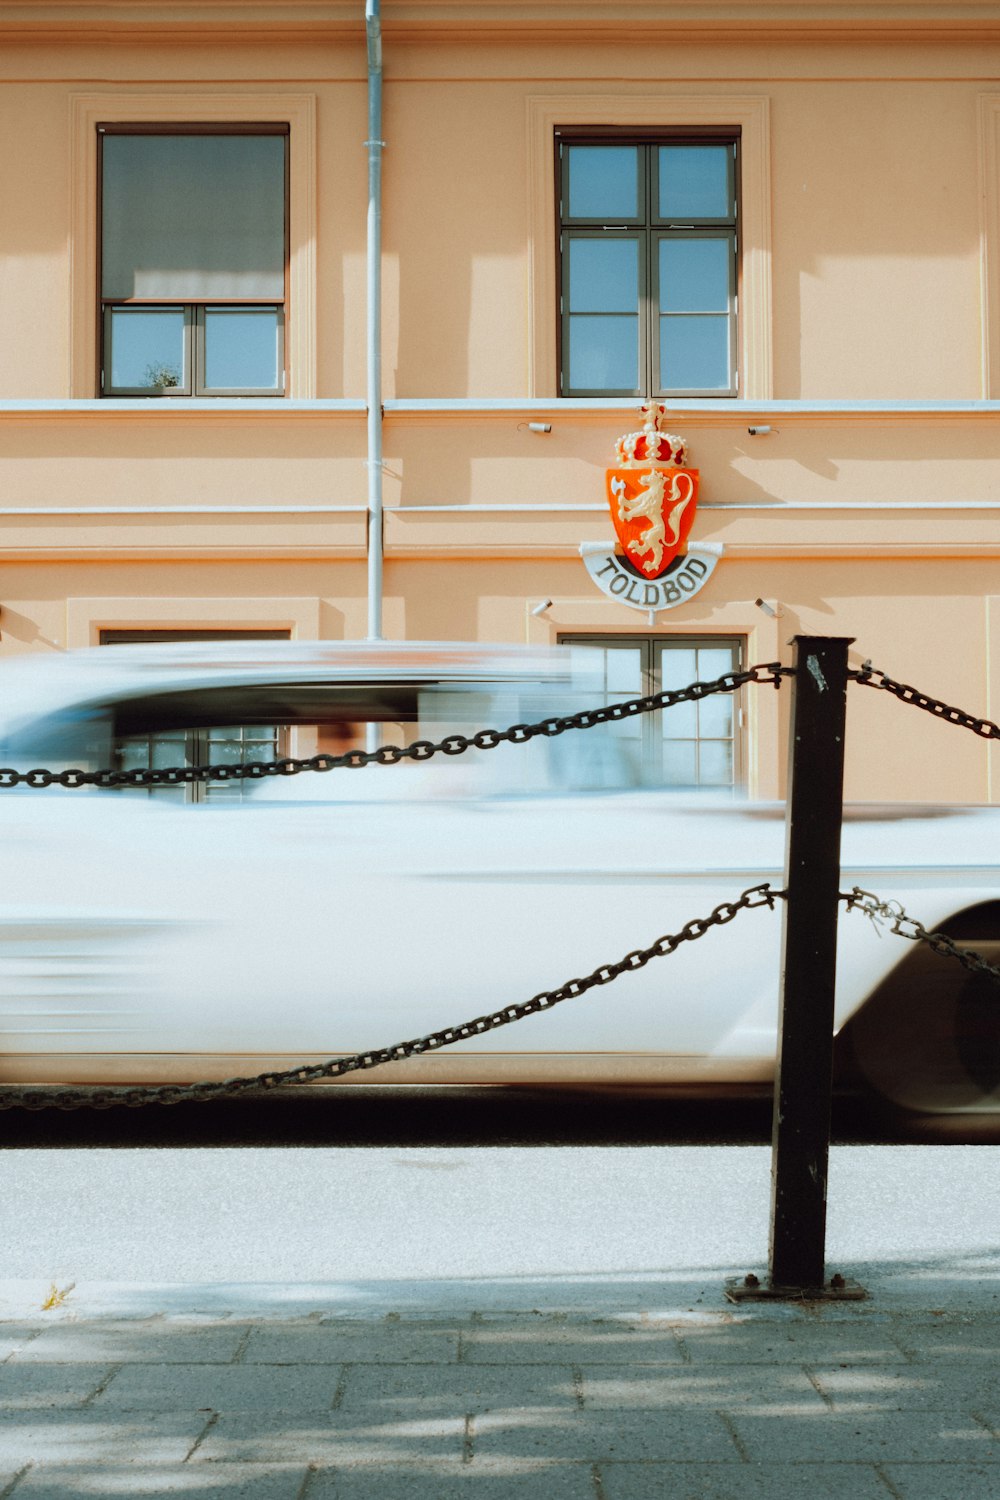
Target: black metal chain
{"type": "Point", "coordinates": [768, 673]}
{"type": "Point", "coordinates": [900, 922]}
{"type": "Point", "coordinates": [870, 676]}
{"type": "Point", "coordinates": [134, 1098]}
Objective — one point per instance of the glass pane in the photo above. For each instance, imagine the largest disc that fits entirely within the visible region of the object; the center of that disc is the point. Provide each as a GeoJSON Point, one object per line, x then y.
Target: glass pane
{"type": "Point", "coordinates": [165, 751]}
{"type": "Point", "coordinates": [678, 667]}
{"type": "Point", "coordinates": [226, 752]}
{"type": "Point", "coordinates": [694, 353]}
{"type": "Point", "coordinates": [147, 348]}
{"type": "Point", "coordinates": [680, 722]}
{"type": "Point", "coordinates": [715, 716]}
{"type": "Point", "coordinates": [715, 763]}
{"type": "Point", "coordinates": [248, 734]}
{"type": "Point", "coordinates": [603, 182]}
{"type": "Point", "coordinates": [694, 182]}
{"type": "Point", "coordinates": [603, 353]}
{"type": "Point", "coordinates": [133, 755]}
{"type": "Point", "coordinates": [680, 767]}
{"type": "Point", "coordinates": [624, 672]}
{"type": "Point", "coordinates": [694, 275]}
{"type": "Point", "coordinates": [193, 216]}
{"type": "Point", "coordinates": [241, 348]}
{"type": "Point", "coordinates": [714, 661]}
{"type": "Point", "coordinates": [623, 679]}
{"type": "Point", "coordinates": [602, 275]}
{"type": "Point", "coordinates": [234, 745]}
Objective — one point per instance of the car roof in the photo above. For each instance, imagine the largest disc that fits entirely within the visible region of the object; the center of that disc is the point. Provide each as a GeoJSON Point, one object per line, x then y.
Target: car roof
{"type": "Point", "coordinates": [36, 684]}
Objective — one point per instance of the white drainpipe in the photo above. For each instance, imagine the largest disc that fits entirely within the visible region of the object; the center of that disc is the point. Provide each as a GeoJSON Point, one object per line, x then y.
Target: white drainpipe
{"type": "Point", "coordinates": [374, 144]}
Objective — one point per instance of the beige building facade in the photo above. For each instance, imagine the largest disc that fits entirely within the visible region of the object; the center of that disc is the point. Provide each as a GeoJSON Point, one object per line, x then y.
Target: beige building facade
{"type": "Point", "coordinates": [781, 221]}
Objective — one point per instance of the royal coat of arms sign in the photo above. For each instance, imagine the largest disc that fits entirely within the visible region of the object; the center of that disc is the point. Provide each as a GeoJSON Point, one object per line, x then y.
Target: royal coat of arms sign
{"type": "Point", "coordinates": [652, 495]}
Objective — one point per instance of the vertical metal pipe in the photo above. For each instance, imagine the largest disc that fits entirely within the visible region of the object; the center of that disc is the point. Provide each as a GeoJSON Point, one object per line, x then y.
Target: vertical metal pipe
{"type": "Point", "coordinates": [804, 1078]}
{"type": "Point", "coordinates": [374, 144]}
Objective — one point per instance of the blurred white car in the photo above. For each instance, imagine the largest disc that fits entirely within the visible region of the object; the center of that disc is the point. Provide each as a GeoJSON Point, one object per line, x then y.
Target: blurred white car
{"type": "Point", "coordinates": [146, 939]}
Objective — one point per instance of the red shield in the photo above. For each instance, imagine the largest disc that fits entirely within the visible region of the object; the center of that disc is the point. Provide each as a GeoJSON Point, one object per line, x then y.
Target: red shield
{"type": "Point", "coordinates": [652, 509]}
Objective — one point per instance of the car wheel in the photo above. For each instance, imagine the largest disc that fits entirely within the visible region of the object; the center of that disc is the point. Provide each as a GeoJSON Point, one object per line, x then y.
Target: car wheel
{"type": "Point", "coordinates": [928, 1040]}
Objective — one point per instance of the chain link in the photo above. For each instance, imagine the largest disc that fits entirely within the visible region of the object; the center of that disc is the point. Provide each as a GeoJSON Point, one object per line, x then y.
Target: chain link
{"type": "Point", "coordinates": [900, 922]}
{"type": "Point", "coordinates": [768, 673]}
{"type": "Point", "coordinates": [133, 1098]}
{"type": "Point", "coordinates": [869, 676]}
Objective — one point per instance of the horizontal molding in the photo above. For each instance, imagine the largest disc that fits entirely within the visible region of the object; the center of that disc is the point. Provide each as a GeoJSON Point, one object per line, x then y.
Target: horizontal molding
{"type": "Point", "coordinates": [518, 508]}
{"type": "Point", "coordinates": [78, 511]}
{"type": "Point", "coordinates": [169, 552]}
{"type": "Point", "coordinates": [156, 409]}
{"type": "Point", "coordinates": [454, 551]}
{"type": "Point", "coordinates": [722, 413]}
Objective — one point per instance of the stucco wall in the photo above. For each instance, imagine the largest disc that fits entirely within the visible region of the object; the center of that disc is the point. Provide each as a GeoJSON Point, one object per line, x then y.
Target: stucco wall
{"type": "Point", "coordinates": [875, 192]}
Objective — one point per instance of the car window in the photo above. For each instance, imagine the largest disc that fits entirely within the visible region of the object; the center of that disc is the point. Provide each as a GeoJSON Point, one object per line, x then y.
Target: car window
{"type": "Point", "coordinates": [226, 723]}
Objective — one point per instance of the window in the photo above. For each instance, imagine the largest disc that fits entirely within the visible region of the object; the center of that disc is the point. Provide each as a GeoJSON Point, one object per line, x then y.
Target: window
{"type": "Point", "coordinates": [193, 260]}
{"type": "Point", "coordinates": [227, 744]}
{"type": "Point", "coordinates": [648, 266]}
{"type": "Point", "coordinates": [691, 744]}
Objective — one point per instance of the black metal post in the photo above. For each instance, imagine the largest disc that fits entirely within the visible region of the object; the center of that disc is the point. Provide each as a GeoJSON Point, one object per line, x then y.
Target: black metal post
{"type": "Point", "coordinates": [804, 1077]}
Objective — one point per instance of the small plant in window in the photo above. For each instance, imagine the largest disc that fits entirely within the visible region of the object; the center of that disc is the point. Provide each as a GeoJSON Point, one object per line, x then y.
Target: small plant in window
{"type": "Point", "coordinates": [161, 377]}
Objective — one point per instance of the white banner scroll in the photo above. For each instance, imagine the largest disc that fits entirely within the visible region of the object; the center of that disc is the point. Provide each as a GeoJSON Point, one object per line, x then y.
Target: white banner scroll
{"type": "Point", "coordinates": [683, 579]}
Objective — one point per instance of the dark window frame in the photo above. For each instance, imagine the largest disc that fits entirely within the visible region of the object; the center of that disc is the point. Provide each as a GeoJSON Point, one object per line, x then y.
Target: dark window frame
{"type": "Point", "coordinates": [652, 648]}
{"type": "Point", "coordinates": [196, 748]}
{"type": "Point", "coordinates": [193, 386]}
{"type": "Point", "coordinates": [648, 229]}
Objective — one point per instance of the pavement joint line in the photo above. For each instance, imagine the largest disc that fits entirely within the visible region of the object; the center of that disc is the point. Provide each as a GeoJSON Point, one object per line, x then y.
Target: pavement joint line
{"type": "Point", "coordinates": [212, 1419]}
{"type": "Point", "coordinates": [9, 1489]}
{"type": "Point", "coordinates": [101, 1386]}
{"type": "Point", "coordinates": [738, 1443]}
{"type": "Point", "coordinates": [817, 1387]}
{"type": "Point", "coordinates": [241, 1347]}
{"type": "Point", "coordinates": [578, 1397]}
{"type": "Point", "coordinates": [35, 1333]}
{"type": "Point", "coordinates": [598, 1481]}
{"type": "Point", "coordinates": [341, 1388]}
{"type": "Point", "coordinates": [687, 1358]}
{"type": "Point", "coordinates": [311, 1471]}
{"type": "Point", "coordinates": [880, 1473]}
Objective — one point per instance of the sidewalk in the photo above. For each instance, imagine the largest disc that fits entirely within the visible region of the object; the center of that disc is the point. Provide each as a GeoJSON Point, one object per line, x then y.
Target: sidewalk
{"type": "Point", "coordinates": [576, 1390]}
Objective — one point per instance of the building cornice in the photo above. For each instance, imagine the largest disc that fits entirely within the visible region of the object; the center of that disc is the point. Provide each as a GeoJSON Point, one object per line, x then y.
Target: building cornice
{"type": "Point", "coordinates": [233, 21]}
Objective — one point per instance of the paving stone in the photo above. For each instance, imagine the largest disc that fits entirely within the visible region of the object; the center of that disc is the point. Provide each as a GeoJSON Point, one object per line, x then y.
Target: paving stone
{"type": "Point", "coordinates": [593, 1436]}
{"type": "Point", "coordinates": [867, 1437]}
{"type": "Point", "coordinates": [273, 1388]}
{"type": "Point", "coordinates": [231, 1482]}
{"type": "Point", "coordinates": [26, 1386]}
{"type": "Point", "coordinates": [92, 1437]}
{"type": "Point", "coordinates": [434, 1482]}
{"type": "Point", "coordinates": [931, 1482]}
{"type": "Point", "coordinates": [154, 1342]}
{"type": "Point", "coordinates": [331, 1440]}
{"type": "Point", "coordinates": [744, 1482]}
{"type": "Point", "coordinates": [14, 1337]}
{"type": "Point", "coordinates": [518, 1341]}
{"type": "Point", "coordinates": [950, 1338]}
{"type": "Point", "coordinates": [783, 1388]}
{"type": "Point", "coordinates": [929, 1386]}
{"type": "Point", "coordinates": [792, 1343]}
{"type": "Point", "coordinates": [415, 1390]}
{"type": "Point", "coordinates": [363, 1343]}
